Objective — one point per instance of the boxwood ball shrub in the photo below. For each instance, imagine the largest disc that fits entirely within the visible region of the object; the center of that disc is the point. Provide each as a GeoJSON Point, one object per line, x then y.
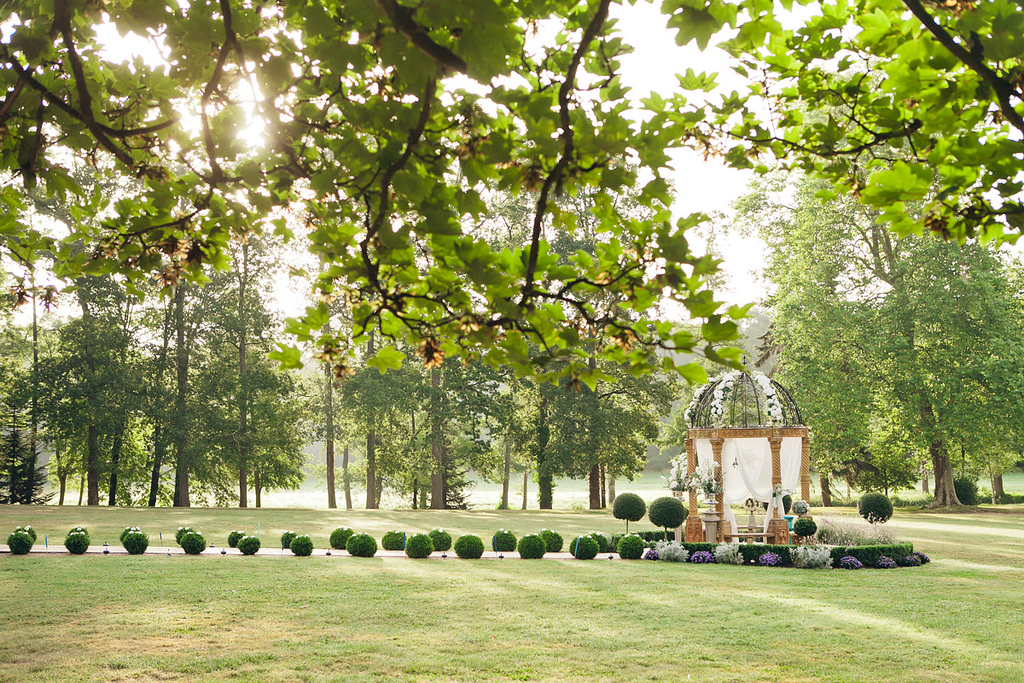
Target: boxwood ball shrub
{"type": "Point", "coordinates": [875, 507]}
{"type": "Point", "coordinates": [361, 545]}
{"type": "Point", "coordinates": [966, 490]}
{"type": "Point", "coordinates": [503, 541]}
{"type": "Point", "coordinates": [302, 545]}
{"type": "Point", "coordinates": [28, 530]}
{"type": "Point", "coordinates": [583, 548]}
{"type": "Point", "coordinates": [441, 539]}
{"type": "Point", "coordinates": [602, 541]}
{"type": "Point", "coordinates": [469, 547]}
{"type": "Point", "coordinates": [553, 540]}
{"type": "Point", "coordinates": [419, 546]}
{"type": "Point", "coordinates": [135, 541]}
{"type": "Point", "coordinates": [127, 530]}
{"type": "Point", "coordinates": [804, 527]}
{"type": "Point", "coordinates": [77, 541]}
{"type": "Point", "coordinates": [339, 537]}
{"type": "Point", "coordinates": [666, 512]}
{"type": "Point", "coordinates": [248, 545]}
{"type": "Point", "coordinates": [631, 547]}
{"type": "Point", "coordinates": [233, 538]}
{"type": "Point", "coordinates": [20, 542]}
{"type": "Point", "coordinates": [393, 540]}
{"type": "Point", "coordinates": [630, 507]}
{"type": "Point", "coordinates": [193, 543]}
{"type": "Point", "coordinates": [532, 547]}
{"type": "Point", "coordinates": [180, 533]}
{"type": "Point", "coordinates": [287, 538]}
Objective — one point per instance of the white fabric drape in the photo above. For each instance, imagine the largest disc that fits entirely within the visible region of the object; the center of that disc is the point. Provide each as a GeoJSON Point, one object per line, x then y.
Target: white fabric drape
{"type": "Point", "coordinates": [747, 470]}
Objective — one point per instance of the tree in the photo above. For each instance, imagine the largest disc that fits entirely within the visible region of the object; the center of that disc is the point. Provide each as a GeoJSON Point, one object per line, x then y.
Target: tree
{"type": "Point", "coordinates": [393, 172]}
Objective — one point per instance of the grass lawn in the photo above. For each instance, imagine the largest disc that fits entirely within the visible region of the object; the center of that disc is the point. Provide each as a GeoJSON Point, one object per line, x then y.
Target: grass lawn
{"type": "Point", "coordinates": [160, 618]}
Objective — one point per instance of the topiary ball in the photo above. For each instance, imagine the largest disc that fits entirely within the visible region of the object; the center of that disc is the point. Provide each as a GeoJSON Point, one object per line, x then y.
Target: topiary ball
{"type": "Point", "coordinates": [503, 541]}
{"type": "Point", "coordinates": [28, 530]}
{"type": "Point", "coordinates": [532, 547]}
{"type": "Point", "coordinates": [666, 512]}
{"type": "Point", "coordinates": [180, 533]}
{"type": "Point", "coordinates": [193, 543]}
{"type": "Point", "coordinates": [234, 537]}
{"type": "Point", "coordinates": [287, 538]}
{"type": "Point", "coordinates": [20, 542]}
{"type": "Point", "coordinates": [630, 507]}
{"type": "Point", "coordinates": [469, 547]}
{"type": "Point", "coordinates": [248, 545]}
{"type": "Point", "coordinates": [419, 546]}
{"type": "Point", "coordinates": [875, 508]}
{"type": "Point", "coordinates": [804, 527]}
{"type": "Point", "coordinates": [127, 530]}
{"type": "Point", "coordinates": [552, 540]}
{"type": "Point", "coordinates": [441, 539]}
{"type": "Point", "coordinates": [339, 537]}
{"type": "Point", "coordinates": [601, 540]}
{"type": "Point", "coordinates": [361, 545]}
{"type": "Point", "coordinates": [393, 540]}
{"type": "Point", "coordinates": [80, 530]}
{"type": "Point", "coordinates": [583, 548]}
{"type": "Point", "coordinates": [135, 542]}
{"type": "Point", "coordinates": [302, 545]}
{"type": "Point", "coordinates": [77, 541]}
{"type": "Point", "coordinates": [631, 547]}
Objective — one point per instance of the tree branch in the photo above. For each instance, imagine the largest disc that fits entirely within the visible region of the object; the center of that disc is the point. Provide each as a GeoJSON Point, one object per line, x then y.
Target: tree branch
{"type": "Point", "coordinates": [401, 18]}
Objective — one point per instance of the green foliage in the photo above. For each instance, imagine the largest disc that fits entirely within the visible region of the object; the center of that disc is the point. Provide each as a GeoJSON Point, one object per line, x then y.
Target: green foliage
{"type": "Point", "coordinates": [728, 553]}
{"type": "Point", "coordinates": [77, 540]}
{"type": "Point", "coordinates": [287, 538]}
{"type": "Point", "coordinates": [805, 527]}
{"type": "Point", "coordinates": [670, 551]}
{"type": "Point", "coordinates": [667, 512]}
{"type": "Point", "coordinates": [419, 546]}
{"type": "Point", "coordinates": [441, 539]}
{"type": "Point", "coordinates": [20, 542]}
{"type": "Point", "coordinates": [603, 541]}
{"type": "Point", "coordinates": [800, 507]}
{"type": "Point", "coordinates": [361, 545]}
{"type": "Point", "coordinates": [630, 507]}
{"type": "Point", "coordinates": [532, 547]}
{"type": "Point", "coordinates": [135, 541]}
{"type": "Point", "coordinates": [339, 537]}
{"type": "Point", "coordinates": [302, 545]}
{"type": "Point", "coordinates": [631, 547]}
{"type": "Point", "coordinates": [393, 540]}
{"type": "Point", "coordinates": [552, 540]}
{"type": "Point", "coordinates": [180, 533]}
{"type": "Point", "coordinates": [966, 490]}
{"type": "Point", "coordinates": [503, 541]}
{"type": "Point", "coordinates": [870, 554]}
{"type": "Point", "coordinates": [233, 538]}
{"type": "Point", "coordinates": [753, 551]}
{"type": "Point", "coordinates": [809, 557]}
{"type": "Point", "coordinates": [193, 543]}
{"type": "Point", "coordinates": [787, 504]}
{"type": "Point", "coordinates": [28, 530]}
{"type": "Point", "coordinates": [583, 548]}
{"type": "Point", "coordinates": [249, 545]}
{"type": "Point", "coordinates": [469, 547]}
{"type": "Point", "coordinates": [875, 508]}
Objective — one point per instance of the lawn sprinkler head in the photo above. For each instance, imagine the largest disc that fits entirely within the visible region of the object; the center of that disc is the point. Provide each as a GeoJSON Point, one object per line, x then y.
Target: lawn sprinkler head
{"type": "Point", "coordinates": [223, 551]}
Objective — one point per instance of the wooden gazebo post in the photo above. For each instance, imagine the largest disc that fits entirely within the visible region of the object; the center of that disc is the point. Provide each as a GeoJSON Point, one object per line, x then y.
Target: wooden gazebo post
{"type": "Point", "coordinates": [694, 527]}
{"type": "Point", "coordinates": [777, 527]}
{"type": "Point", "coordinates": [805, 468]}
{"type": "Point", "coordinates": [716, 451]}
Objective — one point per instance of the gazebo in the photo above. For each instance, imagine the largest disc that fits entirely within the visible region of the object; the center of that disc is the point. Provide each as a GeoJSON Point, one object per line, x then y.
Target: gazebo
{"type": "Point", "coordinates": [747, 429]}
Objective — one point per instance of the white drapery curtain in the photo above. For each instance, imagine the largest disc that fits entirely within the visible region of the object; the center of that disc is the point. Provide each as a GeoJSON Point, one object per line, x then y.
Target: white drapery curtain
{"type": "Point", "coordinates": [747, 470]}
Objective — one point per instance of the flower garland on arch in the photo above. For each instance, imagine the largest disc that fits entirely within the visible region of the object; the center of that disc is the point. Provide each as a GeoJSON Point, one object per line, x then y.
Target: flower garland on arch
{"type": "Point", "coordinates": [724, 387]}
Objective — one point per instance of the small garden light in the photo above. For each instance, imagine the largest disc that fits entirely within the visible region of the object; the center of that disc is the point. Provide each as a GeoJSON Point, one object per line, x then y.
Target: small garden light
{"type": "Point", "coordinates": [223, 551]}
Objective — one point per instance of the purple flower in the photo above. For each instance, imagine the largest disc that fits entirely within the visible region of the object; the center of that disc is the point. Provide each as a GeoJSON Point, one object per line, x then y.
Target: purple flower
{"type": "Point", "coordinates": [921, 556]}
{"type": "Point", "coordinates": [911, 561]}
{"type": "Point", "coordinates": [850, 562]}
{"type": "Point", "coordinates": [650, 554]}
{"type": "Point", "coordinates": [770, 559]}
{"type": "Point", "coordinates": [702, 557]}
{"type": "Point", "coordinates": [885, 563]}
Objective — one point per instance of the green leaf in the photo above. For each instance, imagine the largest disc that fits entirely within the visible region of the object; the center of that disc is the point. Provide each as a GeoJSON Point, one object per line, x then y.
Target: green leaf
{"type": "Point", "coordinates": [387, 358]}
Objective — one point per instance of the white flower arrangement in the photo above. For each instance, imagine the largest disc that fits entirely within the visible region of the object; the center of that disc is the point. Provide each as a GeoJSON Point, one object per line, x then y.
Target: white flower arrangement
{"type": "Point", "coordinates": [676, 479]}
{"type": "Point", "coordinates": [704, 482]}
{"type": "Point", "coordinates": [778, 491]}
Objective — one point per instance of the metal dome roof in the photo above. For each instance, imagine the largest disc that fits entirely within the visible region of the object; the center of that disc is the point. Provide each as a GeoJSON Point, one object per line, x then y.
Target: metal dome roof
{"type": "Point", "coordinates": [743, 404]}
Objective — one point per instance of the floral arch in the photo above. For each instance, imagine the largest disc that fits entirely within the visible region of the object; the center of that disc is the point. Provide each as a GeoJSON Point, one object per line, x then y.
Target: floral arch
{"type": "Point", "coordinates": [746, 434]}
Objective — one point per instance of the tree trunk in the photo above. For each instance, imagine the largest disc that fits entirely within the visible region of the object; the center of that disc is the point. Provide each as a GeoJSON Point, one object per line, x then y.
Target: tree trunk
{"type": "Point", "coordinates": [259, 487]}
{"type": "Point", "coordinates": [611, 489]}
{"type": "Point", "coordinates": [92, 468]}
{"type": "Point", "coordinates": [506, 474]}
{"type": "Point", "coordinates": [243, 384]}
{"type": "Point", "coordinates": [415, 492]}
{"type": "Point", "coordinates": [371, 465]}
{"type": "Point", "coordinates": [181, 494]}
{"type": "Point", "coordinates": [159, 448]}
{"type": "Point", "coordinates": [526, 480]}
{"type": "Point", "coordinates": [81, 489]}
{"type": "Point", "coordinates": [826, 490]}
{"type": "Point", "coordinates": [545, 480]}
{"type": "Point", "coordinates": [595, 486]}
{"type": "Point", "coordinates": [924, 478]}
{"type": "Point", "coordinates": [604, 488]}
{"type": "Point", "coordinates": [997, 488]}
{"type": "Point", "coordinates": [115, 461]}
{"type": "Point", "coordinates": [945, 493]}
{"type": "Point", "coordinates": [329, 437]}
{"type": "Point", "coordinates": [345, 478]}
{"type": "Point", "coordinates": [30, 474]}
{"type": "Point", "coordinates": [436, 442]}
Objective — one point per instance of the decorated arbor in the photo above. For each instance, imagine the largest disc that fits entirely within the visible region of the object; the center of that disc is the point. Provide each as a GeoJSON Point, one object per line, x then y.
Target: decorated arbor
{"type": "Point", "coordinates": [745, 439]}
